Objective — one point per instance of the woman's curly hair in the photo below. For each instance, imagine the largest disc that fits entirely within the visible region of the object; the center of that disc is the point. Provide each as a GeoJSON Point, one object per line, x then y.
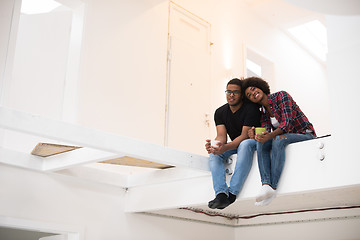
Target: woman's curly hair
{"type": "Point", "coordinates": [256, 82]}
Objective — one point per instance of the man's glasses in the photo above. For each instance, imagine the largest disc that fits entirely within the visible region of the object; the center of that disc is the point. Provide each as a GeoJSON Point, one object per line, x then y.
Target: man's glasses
{"type": "Point", "coordinates": [235, 92]}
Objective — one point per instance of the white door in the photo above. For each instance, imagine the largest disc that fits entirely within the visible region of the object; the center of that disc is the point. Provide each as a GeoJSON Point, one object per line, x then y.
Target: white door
{"type": "Point", "coordinates": [188, 81]}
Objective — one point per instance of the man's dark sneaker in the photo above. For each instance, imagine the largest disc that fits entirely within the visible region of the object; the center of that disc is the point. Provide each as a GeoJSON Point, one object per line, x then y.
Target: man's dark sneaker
{"type": "Point", "coordinates": [231, 198]}
{"type": "Point", "coordinates": [220, 202]}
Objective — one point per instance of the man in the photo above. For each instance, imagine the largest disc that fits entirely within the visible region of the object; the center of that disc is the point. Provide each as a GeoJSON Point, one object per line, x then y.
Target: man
{"type": "Point", "coordinates": [234, 119]}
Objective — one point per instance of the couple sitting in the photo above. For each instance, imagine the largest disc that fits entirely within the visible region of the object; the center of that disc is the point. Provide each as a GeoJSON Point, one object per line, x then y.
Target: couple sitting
{"type": "Point", "coordinates": [249, 105]}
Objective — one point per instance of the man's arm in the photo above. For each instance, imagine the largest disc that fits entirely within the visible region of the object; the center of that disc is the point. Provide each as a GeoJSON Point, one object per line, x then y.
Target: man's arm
{"type": "Point", "coordinates": [221, 135]}
{"type": "Point", "coordinates": [233, 144]}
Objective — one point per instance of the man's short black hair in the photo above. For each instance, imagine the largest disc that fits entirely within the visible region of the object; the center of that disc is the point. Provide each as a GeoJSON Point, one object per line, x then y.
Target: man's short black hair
{"type": "Point", "coordinates": [236, 81]}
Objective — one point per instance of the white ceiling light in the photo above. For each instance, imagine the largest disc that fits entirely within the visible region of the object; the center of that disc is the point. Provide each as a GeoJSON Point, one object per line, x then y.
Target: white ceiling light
{"type": "Point", "coordinates": [313, 36]}
{"type": "Point", "coordinates": [38, 6]}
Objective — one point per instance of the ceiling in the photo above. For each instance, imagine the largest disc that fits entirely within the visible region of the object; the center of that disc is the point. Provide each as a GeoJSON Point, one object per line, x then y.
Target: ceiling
{"type": "Point", "coordinates": [281, 14]}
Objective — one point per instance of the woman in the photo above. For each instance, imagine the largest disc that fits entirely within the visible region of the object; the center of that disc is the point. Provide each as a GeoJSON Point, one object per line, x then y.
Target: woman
{"type": "Point", "coordinates": [285, 123]}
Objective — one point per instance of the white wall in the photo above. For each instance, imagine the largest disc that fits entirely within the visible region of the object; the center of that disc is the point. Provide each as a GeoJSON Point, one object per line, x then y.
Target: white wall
{"type": "Point", "coordinates": [36, 62]}
{"type": "Point", "coordinates": [5, 27]}
{"type": "Point", "coordinates": [39, 70]}
{"type": "Point", "coordinates": [123, 79]}
{"type": "Point", "coordinates": [318, 230]}
{"type": "Point", "coordinates": [96, 209]}
{"type": "Point", "coordinates": [122, 85]}
{"type": "Point", "coordinates": [341, 152]}
{"type": "Point", "coordinates": [344, 72]}
{"type": "Point", "coordinates": [234, 24]}
{"type": "Point", "coordinates": [295, 71]}
{"type": "Point", "coordinates": [123, 66]}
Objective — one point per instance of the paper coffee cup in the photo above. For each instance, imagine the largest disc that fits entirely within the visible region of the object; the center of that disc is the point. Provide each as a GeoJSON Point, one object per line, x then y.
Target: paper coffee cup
{"type": "Point", "coordinates": [259, 130]}
{"type": "Point", "coordinates": [214, 143]}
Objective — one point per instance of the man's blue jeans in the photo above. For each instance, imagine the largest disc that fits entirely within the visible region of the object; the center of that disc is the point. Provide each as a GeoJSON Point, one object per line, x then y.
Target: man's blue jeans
{"type": "Point", "coordinates": [271, 167]}
{"type": "Point", "coordinates": [243, 165]}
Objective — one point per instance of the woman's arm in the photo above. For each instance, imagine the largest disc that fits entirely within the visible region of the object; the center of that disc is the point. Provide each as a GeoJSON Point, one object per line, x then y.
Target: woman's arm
{"type": "Point", "coordinates": [285, 114]}
{"type": "Point", "coordinates": [285, 106]}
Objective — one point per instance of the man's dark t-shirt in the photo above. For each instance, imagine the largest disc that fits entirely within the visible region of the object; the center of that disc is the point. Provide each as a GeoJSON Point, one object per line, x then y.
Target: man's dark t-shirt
{"type": "Point", "coordinates": [247, 115]}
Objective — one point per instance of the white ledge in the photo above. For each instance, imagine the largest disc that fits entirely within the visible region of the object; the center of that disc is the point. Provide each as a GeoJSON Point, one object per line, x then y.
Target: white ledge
{"type": "Point", "coordinates": [304, 173]}
{"type": "Point", "coordinates": [35, 125]}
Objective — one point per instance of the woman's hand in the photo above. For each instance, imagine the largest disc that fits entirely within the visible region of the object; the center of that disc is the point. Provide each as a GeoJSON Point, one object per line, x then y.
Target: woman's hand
{"type": "Point", "coordinates": [264, 137]}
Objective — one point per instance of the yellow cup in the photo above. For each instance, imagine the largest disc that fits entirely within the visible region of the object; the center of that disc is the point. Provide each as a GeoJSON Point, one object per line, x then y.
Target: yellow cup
{"type": "Point", "coordinates": [259, 130]}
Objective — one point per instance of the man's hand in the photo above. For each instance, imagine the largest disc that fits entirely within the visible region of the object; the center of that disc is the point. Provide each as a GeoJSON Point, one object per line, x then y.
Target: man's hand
{"type": "Point", "coordinates": [251, 133]}
{"type": "Point", "coordinates": [208, 146]}
{"type": "Point", "coordinates": [219, 149]}
{"type": "Point", "coordinates": [214, 150]}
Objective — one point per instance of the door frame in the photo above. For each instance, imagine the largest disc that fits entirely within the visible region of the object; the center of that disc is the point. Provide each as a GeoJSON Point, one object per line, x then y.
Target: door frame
{"type": "Point", "coordinates": [186, 12]}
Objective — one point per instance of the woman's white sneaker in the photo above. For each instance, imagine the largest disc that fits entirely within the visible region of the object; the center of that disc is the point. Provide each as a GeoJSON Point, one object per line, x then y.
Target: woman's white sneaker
{"type": "Point", "coordinates": [265, 193]}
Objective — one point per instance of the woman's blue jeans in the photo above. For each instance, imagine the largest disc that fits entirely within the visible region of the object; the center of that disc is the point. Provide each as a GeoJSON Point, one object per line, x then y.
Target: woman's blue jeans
{"type": "Point", "coordinates": [243, 165]}
{"type": "Point", "coordinates": [271, 167]}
